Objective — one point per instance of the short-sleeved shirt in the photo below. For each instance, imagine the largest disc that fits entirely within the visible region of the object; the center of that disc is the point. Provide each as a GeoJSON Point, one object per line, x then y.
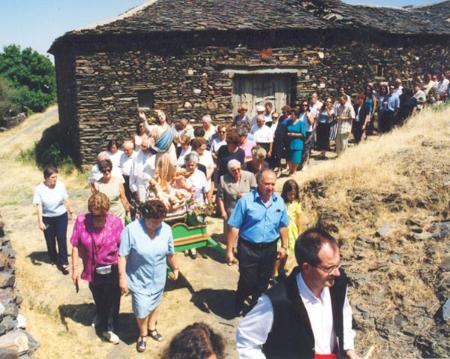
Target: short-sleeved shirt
{"type": "Point", "coordinates": [258, 222]}
{"type": "Point", "coordinates": [247, 147]}
{"type": "Point", "coordinates": [126, 162]}
{"type": "Point", "coordinates": [206, 160]}
{"type": "Point", "coordinates": [262, 134]}
{"type": "Point", "coordinates": [216, 143]}
{"type": "Point", "coordinates": [106, 240]}
{"type": "Point", "coordinates": [346, 110]}
{"type": "Point", "coordinates": [146, 268]}
{"type": "Point", "coordinates": [199, 185]}
{"type": "Point", "coordinates": [51, 199]}
{"type": "Point", "coordinates": [112, 190]}
{"type": "Point", "coordinates": [228, 190]}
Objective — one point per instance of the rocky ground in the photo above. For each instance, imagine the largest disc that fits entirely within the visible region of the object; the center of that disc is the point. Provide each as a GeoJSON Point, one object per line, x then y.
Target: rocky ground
{"type": "Point", "coordinates": [387, 201]}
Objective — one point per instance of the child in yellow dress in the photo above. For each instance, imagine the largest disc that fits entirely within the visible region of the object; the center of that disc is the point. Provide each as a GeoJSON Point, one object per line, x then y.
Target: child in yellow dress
{"type": "Point", "coordinates": [291, 197]}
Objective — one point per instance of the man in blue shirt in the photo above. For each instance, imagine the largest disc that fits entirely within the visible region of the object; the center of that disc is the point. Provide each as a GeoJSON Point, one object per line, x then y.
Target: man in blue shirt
{"type": "Point", "coordinates": [259, 219]}
{"type": "Point", "coordinates": [389, 109]}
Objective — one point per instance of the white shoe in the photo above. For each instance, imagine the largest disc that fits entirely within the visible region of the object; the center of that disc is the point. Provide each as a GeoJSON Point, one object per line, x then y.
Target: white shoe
{"type": "Point", "coordinates": [111, 337]}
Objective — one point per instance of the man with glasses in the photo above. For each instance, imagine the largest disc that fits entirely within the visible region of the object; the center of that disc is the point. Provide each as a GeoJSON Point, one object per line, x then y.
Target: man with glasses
{"type": "Point", "coordinates": [306, 316]}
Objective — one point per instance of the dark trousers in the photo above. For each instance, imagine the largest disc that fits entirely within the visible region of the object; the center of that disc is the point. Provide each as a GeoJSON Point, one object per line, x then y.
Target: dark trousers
{"type": "Point", "coordinates": [56, 232]}
{"type": "Point", "coordinates": [256, 264]}
{"type": "Point", "coordinates": [107, 304]}
{"type": "Point", "coordinates": [387, 121]}
{"type": "Point", "coordinates": [357, 131]}
{"type": "Point", "coordinates": [129, 196]}
{"type": "Point", "coordinates": [371, 126]}
{"type": "Point", "coordinates": [128, 193]}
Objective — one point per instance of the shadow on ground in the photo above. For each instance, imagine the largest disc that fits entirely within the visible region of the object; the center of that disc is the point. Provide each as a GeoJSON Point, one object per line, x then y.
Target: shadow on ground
{"type": "Point", "coordinates": [39, 257]}
{"type": "Point", "coordinates": [217, 301]}
{"type": "Point", "coordinates": [85, 314]}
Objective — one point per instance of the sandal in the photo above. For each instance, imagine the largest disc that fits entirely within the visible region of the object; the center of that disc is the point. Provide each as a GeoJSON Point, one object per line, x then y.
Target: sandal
{"type": "Point", "coordinates": [154, 334]}
{"type": "Point", "coordinates": [141, 345]}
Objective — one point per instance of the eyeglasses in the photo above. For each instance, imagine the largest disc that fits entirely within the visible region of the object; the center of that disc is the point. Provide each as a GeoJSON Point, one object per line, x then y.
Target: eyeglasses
{"type": "Point", "coordinates": [328, 270]}
{"type": "Point", "coordinates": [106, 171]}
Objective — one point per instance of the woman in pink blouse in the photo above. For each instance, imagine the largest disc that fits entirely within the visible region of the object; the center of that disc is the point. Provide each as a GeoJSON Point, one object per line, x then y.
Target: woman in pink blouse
{"type": "Point", "coordinates": [96, 239]}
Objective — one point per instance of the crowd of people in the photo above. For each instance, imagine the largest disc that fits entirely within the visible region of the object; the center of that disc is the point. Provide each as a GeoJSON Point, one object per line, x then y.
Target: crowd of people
{"type": "Point", "coordinates": [167, 169]}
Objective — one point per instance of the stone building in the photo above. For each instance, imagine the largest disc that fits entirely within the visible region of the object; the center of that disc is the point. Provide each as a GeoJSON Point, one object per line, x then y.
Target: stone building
{"type": "Point", "coordinates": [191, 57]}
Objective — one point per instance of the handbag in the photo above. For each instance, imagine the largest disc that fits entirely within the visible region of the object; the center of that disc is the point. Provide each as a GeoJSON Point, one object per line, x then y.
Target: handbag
{"type": "Point", "coordinates": [103, 273]}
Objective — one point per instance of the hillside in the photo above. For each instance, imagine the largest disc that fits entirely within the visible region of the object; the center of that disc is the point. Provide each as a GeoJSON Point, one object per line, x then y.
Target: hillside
{"type": "Point", "coordinates": [400, 278]}
{"type": "Point", "coordinates": [399, 185]}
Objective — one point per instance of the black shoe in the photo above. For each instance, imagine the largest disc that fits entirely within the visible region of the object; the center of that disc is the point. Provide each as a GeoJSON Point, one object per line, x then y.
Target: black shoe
{"type": "Point", "coordinates": [154, 334]}
{"type": "Point", "coordinates": [141, 345]}
{"type": "Point", "coordinates": [193, 253]}
{"type": "Point", "coordinates": [64, 269]}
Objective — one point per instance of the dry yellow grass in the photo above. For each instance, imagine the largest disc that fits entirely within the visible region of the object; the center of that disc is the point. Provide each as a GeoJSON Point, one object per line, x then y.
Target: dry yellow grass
{"type": "Point", "coordinates": [407, 163]}
{"type": "Point", "coordinates": [398, 176]}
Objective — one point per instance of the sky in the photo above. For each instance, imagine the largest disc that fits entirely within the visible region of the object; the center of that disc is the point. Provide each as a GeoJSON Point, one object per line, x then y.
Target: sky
{"type": "Point", "coordinates": [36, 23]}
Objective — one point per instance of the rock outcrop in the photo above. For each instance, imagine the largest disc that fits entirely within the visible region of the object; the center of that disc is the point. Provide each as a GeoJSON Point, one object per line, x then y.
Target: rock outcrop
{"type": "Point", "coordinates": [14, 340]}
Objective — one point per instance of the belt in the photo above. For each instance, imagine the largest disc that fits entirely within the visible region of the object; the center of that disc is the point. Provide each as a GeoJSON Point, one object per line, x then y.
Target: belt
{"type": "Point", "coordinates": [257, 245]}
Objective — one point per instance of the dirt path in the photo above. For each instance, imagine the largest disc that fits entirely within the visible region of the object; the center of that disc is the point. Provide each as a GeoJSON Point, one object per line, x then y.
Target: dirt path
{"type": "Point", "coordinates": [59, 318]}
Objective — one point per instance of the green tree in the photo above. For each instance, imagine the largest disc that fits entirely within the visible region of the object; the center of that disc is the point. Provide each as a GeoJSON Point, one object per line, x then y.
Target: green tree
{"type": "Point", "coordinates": [8, 98]}
{"type": "Point", "coordinates": [31, 74]}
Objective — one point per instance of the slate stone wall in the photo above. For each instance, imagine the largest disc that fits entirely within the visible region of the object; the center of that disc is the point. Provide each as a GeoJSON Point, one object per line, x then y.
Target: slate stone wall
{"type": "Point", "coordinates": [187, 79]}
{"type": "Point", "coordinates": [14, 341]}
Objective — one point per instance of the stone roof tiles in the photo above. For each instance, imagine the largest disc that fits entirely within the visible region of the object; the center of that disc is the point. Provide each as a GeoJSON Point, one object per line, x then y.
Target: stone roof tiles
{"type": "Point", "coordinates": [223, 15]}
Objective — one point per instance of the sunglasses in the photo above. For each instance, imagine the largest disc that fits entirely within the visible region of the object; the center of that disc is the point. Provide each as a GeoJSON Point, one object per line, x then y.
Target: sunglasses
{"type": "Point", "coordinates": [106, 171]}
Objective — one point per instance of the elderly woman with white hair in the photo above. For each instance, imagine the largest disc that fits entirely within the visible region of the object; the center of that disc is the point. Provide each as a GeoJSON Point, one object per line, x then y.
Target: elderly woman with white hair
{"type": "Point", "coordinates": [209, 128]}
{"type": "Point", "coordinates": [232, 186]}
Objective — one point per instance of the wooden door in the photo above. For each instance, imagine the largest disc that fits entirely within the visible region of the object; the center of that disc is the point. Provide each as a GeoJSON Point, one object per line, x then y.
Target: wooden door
{"type": "Point", "coordinates": [254, 90]}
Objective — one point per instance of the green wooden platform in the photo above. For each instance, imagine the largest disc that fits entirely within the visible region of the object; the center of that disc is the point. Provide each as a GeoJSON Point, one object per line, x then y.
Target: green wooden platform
{"type": "Point", "coordinates": [189, 237]}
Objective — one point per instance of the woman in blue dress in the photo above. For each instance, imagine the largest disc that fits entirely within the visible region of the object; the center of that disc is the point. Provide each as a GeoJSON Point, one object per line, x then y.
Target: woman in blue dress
{"type": "Point", "coordinates": [146, 247]}
{"type": "Point", "coordinates": [296, 133]}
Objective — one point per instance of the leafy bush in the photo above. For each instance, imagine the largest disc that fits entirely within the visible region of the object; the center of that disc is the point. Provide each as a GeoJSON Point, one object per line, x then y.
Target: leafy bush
{"type": "Point", "coordinates": [31, 74]}
{"type": "Point", "coordinates": [48, 151]}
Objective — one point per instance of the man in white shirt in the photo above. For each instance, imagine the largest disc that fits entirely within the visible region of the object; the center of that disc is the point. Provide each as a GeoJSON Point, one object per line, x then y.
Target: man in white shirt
{"type": "Point", "coordinates": [125, 163]}
{"type": "Point", "coordinates": [96, 174]}
{"type": "Point", "coordinates": [306, 315]}
{"type": "Point", "coordinates": [420, 97]}
{"type": "Point", "coordinates": [142, 171]}
{"type": "Point", "coordinates": [442, 86]}
{"type": "Point", "coordinates": [262, 134]}
{"type": "Point", "coordinates": [268, 110]}
{"type": "Point", "coordinates": [429, 84]}
{"type": "Point", "coordinates": [314, 106]}
{"type": "Point", "coordinates": [398, 88]}
{"type": "Point", "coordinates": [259, 111]}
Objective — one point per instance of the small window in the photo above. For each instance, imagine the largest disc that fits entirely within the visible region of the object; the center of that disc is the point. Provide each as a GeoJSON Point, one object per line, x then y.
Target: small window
{"type": "Point", "coordinates": [145, 98]}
